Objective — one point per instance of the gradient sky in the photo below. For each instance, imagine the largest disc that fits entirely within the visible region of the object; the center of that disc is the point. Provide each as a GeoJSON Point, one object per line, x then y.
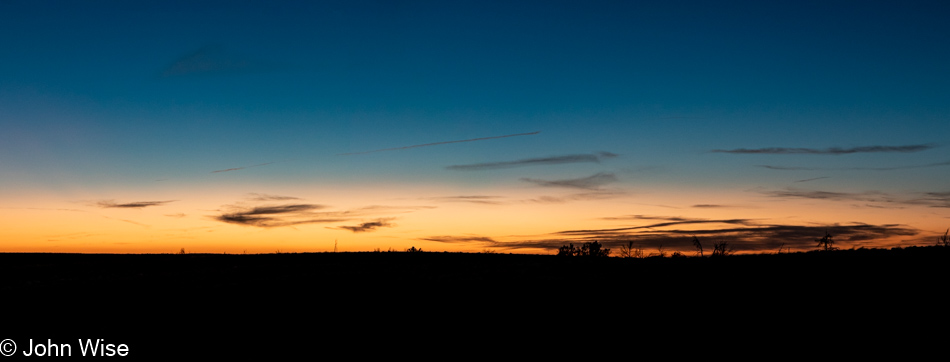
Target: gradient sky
{"type": "Point", "coordinates": [258, 126]}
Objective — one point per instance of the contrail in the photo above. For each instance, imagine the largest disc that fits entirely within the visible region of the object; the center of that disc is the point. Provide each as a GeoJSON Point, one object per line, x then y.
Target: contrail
{"type": "Point", "coordinates": [438, 143]}
{"type": "Point", "coordinates": [241, 168]}
{"type": "Point", "coordinates": [812, 179]}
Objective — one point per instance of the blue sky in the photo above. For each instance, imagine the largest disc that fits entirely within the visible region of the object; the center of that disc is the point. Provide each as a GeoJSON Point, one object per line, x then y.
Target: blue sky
{"type": "Point", "coordinates": [106, 98]}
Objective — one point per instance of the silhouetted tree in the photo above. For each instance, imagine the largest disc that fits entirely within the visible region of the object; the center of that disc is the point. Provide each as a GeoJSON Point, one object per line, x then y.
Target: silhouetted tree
{"type": "Point", "coordinates": [628, 251]}
{"type": "Point", "coordinates": [414, 250]}
{"type": "Point", "coordinates": [588, 249]}
{"type": "Point", "coordinates": [721, 249]}
{"type": "Point", "coordinates": [698, 245]}
{"type": "Point", "coordinates": [568, 250]}
{"type": "Point", "coordinates": [945, 239]}
{"type": "Point", "coordinates": [594, 249]}
{"type": "Point", "coordinates": [826, 242]}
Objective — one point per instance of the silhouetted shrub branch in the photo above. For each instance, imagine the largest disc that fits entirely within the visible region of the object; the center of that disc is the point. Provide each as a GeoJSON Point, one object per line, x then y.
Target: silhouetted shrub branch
{"type": "Point", "coordinates": [628, 251]}
{"type": "Point", "coordinates": [721, 249]}
{"type": "Point", "coordinates": [588, 249]}
{"type": "Point", "coordinates": [945, 239]}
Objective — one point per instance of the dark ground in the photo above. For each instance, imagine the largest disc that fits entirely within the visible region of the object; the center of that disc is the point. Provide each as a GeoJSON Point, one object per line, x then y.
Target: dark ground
{"type": "Point", "coordinates": [230, 305]}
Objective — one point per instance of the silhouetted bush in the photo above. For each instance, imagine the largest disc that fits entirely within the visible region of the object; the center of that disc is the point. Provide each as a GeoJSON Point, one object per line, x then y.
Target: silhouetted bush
{"type": "Point", "coordinates": [568, 250]}
{"type": "Point", "coordinates": [721, 249]}
{"type": "Point", "coordinates": [945, 239]}
{"type": "Point", "coordinates": [826, 242]}
{"type": "Point", "coordinates": [414, 250]}
{"type": "Point", "coordinates": [588, 249]}
{"type": "Point", "coordinates": [627, 251]}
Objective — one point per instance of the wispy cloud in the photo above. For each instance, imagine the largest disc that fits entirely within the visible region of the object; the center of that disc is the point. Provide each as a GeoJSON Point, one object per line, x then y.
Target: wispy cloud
{"type": "Point", "coordinates": [588, 183]}
{"type": "Point", "coordinates": [593, 195]}
{"type": "Point", "coordinates": [265, 197]}
{"type": "Point", "coordinates": [131, 205]}
{"type": "Point", "coordinates": [934, 199]}
{"type": "Point", "coordinates": [241, 168]}
{"type": "Point", "coordinates": [829, 151]}
{"type": "Point", "coordinates": [787, 168]}
{"type": "Point", "coordinates": [553, 160]}
{"type": "Point", "coordinates": [214, 59]}
{"type": "Point", "coordinates": [382, 209]}
{"type": "Point", "coordinates": [892, 168]}
{"type": "Point", "coordinates": [812, 179]}
{"type": "Point", "coordinates": [368, 226]}
{"type": "Point", "coordinates": [275, 216]}
{"type": "Point", "coordinates": [646, 217]}
{"type": "Point", "coordinates": [268, 216]}
{"type": "Point", "coordinates": [499, 200]}
{"type": "Point", "coordinates": [871, 196]}
{"type": "Point", "coordinates": [130, 222]}
{"type": "Point", "coordinates": [657, 225]}
{"type": "Point", "coordinates": [440, 143]}
{"type": "Point", "coordinates": [929, 199]}
{"type": "Point", "coordinates": [473, 199]}
{"type": "Point", "coordinates": [461, 239]}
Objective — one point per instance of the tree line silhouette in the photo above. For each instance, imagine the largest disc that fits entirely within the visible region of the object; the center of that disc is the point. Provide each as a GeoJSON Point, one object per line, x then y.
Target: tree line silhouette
{"type": "Point", "coordinates": [720, 249]}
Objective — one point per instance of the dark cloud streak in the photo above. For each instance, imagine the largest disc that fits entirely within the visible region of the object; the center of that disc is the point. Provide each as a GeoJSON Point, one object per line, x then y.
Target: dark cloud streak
{"type": "Point", "coordinates": [266, 197]}
{"type": "Point", "coordinates": [929, 199]}
{"type": "Point", "coordinates": [587, 183]}
{"type": "Point", "coordinates": [241, 168]}
{"type": "Point", "coordinates": [784, 168]}
{"type": "Point", "coordinates": [812, 179]}
{"type": "Point", "coordinates": [645, 217]}
{"type": "Point", "coordinates": [368, 226]}
{"type": "Point", "coordinates": [659, 225]}
{"type": "Point", "coordinates": [461, 239]}
{"type": "Point", "coordinates": [872, 196]}
{"type": "Point", "coordinates": [553, 160]}
{"type": "Point", "coordinates": [828, 151]}
{"type": "Point", "coordinates": [439, 143]}
{"type": "Point", "coordinates": [131, 205]}
{"type": "Point", "coordinates": [274, 216]}
{"type": "Point", "coordinates": [593, 195]}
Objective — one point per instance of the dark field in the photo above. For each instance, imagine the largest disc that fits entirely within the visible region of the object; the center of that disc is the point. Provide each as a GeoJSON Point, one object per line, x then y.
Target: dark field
{"type": "Point", "coordinates": [861, 270]}
{"type": "Point", "coordinates": [398, 297]}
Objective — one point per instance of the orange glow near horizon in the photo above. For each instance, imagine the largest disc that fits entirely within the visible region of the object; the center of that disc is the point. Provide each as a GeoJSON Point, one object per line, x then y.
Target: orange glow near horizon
{"type": "Point", "coordinates": [430, 221]}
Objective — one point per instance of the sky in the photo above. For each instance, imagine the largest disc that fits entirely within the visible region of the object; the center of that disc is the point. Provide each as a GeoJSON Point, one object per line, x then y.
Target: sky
{"type": "Point", "coordinates": [503, 126]}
